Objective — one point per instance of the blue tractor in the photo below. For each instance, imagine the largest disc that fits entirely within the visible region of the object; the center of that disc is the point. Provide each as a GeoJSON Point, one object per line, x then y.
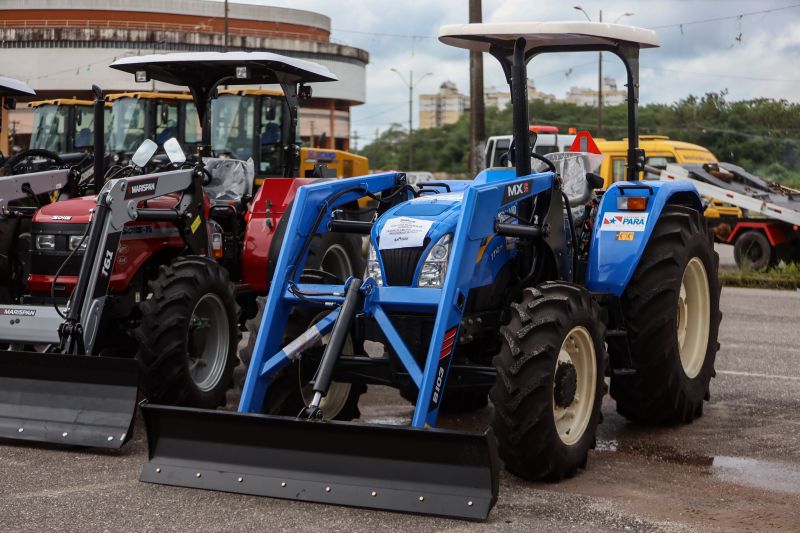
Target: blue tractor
{"type": "Point", "coordinates": [527, 288]}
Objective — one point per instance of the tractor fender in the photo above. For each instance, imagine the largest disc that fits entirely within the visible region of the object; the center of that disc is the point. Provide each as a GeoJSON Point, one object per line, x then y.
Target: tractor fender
{"type": "Point", "coordinates": [619, 236]}
{"type": "Point", "coordinates": [270, 206]}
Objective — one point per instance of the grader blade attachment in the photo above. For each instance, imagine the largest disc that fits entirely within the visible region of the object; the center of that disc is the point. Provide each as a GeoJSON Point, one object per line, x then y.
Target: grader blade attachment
{"type": "Point", "coordinates": [67, 399]}
{"type": "Point", "coordinates": [427, 471]}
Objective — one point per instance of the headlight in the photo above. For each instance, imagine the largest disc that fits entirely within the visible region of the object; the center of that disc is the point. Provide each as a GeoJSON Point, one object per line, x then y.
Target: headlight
{"type": "Point", "coordinates": [373, 266]}
{"type": "Point", "coordinates": [434, 267]}
{"type": "Point", "coordinates": [75, 241]}
{"type": "Point", "coordinates": [45, 242]}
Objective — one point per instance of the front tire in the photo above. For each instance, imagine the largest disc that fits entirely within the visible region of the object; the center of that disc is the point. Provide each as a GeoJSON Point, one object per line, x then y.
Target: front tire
{"type": "Point", "coordinates": [671, 311]}
{"type": "Point", "coordinates": [550, 382]}
{"type": "Point", "coordinates": [188, 334]}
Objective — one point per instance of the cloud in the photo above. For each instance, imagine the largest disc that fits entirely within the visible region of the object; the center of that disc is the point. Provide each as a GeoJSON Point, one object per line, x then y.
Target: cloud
{"type": "Point", "coordinates": [694, 59]}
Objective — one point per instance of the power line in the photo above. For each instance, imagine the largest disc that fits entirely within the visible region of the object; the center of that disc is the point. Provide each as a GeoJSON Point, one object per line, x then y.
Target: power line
{"type": "Point", "coordinates": [662, 26]}
{"type": "Point", "coordinates": [379, 114]}
{"type": "Point", "coordinates": [714, 75]}
{"type": "Point", "coordinates": [729, 17]}
{"type": "Point", "coordinates": [399, 35]}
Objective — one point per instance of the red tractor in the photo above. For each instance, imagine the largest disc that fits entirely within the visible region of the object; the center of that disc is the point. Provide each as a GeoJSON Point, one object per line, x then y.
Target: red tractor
{"type": "Point", "coordinates": [161, 269]}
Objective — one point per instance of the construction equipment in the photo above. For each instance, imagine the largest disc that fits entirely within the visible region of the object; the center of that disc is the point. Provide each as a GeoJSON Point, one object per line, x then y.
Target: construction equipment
{"type": "Point", "coordinates": [9, 88]}
{"type": "Point", "coordinates": [173, 272]}
{"type": "Point", "coordinates": [252, 123]}
{"type": "Point", "coordinates": [764, 227]}
{"type": "Point", "coordinates": [533, 255]}
{"type": "Point", "coordinates": [158, 116]}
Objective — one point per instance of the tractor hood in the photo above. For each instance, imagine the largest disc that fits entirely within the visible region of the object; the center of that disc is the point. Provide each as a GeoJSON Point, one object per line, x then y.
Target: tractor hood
{"type": "Point", "coordinates": [72, 211]}
{"type": "Point", "coordinates": [78, 210]}
{"type": "Point", "coordinates": [419, 221]}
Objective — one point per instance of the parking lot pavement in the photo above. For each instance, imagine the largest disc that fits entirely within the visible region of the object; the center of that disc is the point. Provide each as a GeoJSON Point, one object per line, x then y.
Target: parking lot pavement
{"type": "Point", "coordinates": [736, 468]}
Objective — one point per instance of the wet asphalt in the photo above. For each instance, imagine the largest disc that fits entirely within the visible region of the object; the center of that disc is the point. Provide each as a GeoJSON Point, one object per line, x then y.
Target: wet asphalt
{"type": "Point", "coordinates": [735, 469]}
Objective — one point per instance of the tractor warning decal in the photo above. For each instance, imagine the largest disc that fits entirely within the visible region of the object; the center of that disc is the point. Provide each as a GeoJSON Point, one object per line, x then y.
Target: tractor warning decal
{"type": "Point", "coordinates": [624, 222]}
{"type": "Point", "coordinates": [515, 191]}
{"type": "Point", "coordinates": [141, 188]}
{"type": "Point", "coordinates": [448, 344]}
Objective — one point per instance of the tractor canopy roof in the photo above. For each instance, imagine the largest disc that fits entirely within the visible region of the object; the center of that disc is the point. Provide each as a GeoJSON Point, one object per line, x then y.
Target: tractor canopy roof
{"type": "Point", "coordinates": [236, 68]}
{"type": "Point", "coordinates": [563, 35]}
{"type": "Point", "coordinates": [12, 87]}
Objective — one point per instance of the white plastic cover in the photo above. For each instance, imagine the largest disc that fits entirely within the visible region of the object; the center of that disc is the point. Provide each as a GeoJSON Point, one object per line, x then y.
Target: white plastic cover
{"type": "Point", "coordinates": [572, 167]}
{"type": "Point", "coordinates": [231, 179]}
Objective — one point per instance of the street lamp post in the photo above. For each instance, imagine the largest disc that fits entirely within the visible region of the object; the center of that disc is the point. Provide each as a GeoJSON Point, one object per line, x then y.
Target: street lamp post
{"type": "Point", "coordinates": [410, 85]}
{"type": "Point", "coordinates": [600, 68]}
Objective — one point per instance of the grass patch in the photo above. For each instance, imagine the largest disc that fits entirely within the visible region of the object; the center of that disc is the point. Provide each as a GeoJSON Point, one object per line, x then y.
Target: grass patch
{"type": "Point", "coordinates": [781, 277]}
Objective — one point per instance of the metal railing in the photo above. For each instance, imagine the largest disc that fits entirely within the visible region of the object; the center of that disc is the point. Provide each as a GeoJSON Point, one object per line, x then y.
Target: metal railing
{"type": "Point", "coordinates": [203, 27]}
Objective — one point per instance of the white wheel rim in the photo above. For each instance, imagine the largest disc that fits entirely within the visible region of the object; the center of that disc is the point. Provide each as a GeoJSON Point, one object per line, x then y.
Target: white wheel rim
{"type": "Point", "coordinates": [336, 262]}
{"type": "Point", "coordinates": [577, 350]}
{"type": "Point", "coordinates": [694, 317]}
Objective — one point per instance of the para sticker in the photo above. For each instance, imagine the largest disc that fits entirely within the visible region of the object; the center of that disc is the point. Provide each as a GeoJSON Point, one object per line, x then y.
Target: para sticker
{"type": "Point", "coordinates": [624, 222]}
{"type": "Point", "coordinates": [403, 232]}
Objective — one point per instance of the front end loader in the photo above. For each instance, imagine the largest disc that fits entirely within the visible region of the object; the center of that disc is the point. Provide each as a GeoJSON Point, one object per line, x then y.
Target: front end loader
{"type": "Point", "coordinates": [536, 255]}
{"type": "Point", "coordinates": [55, 384]}
{"type": "Point", "coordinates": [156, 298]}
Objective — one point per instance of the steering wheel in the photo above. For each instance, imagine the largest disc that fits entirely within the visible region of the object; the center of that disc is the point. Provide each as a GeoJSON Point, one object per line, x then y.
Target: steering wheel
{"type": "Point", "coordinates": [207, 177]}
{"type": "Point", "coordinates": [23, 161]}
{"type": "Point", "coordinates": [550, 166]}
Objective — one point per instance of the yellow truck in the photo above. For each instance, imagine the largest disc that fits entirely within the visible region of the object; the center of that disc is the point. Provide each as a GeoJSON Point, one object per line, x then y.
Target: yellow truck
{"type": "Point", "coordinates": [249, 123]}
{"type": "Point", "coordinates": [660, 150]}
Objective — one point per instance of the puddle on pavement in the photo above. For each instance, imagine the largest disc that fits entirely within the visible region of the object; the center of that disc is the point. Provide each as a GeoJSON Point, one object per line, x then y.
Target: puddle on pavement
{"type": "Point", "coordinates": [757, 473]}
{"type": "Point", "coordinates": [767, 475]}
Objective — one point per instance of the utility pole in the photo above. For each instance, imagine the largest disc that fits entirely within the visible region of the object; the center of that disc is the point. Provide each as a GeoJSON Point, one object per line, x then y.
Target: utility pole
{"type": "Point", "coordinates": [477, 126]}
{"type": "Point", "coordinates": [410, 118]}
{"type": "Point", "coordinates": [410, 85]}
{"type": "Point", "coordinates": [600, 68]}
{"type": "Point", "coordinates": [600, 87]}
{"type": "Point", "coordinates": [226, 25]}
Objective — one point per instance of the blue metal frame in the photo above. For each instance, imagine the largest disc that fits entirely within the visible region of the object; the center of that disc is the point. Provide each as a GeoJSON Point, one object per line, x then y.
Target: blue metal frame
{"type": "Point", "coordinates": [479, 207]}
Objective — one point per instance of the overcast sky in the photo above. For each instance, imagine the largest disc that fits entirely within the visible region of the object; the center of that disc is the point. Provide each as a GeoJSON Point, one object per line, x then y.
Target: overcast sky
{"type": "Point", "coordinates": [752, 56]}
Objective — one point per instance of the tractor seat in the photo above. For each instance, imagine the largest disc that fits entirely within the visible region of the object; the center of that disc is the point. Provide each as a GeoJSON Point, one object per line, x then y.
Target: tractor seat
{"type": "Point", "coordinates": [231, 180]}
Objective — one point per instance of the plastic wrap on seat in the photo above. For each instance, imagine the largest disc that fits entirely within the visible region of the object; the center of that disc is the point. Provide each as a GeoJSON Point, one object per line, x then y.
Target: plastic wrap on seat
{"type": "Point", "coordinates": [231, 179]}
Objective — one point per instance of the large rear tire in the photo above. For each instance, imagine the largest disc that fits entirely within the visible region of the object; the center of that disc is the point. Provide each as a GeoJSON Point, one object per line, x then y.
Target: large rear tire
{"type": "Point", "coordinates": [550, 382]}
{"type": "Point", "coordinates": [340, 256]}
{"type": "Point", "coordinates": [188, 334]}
{"type": "Point", "coordinates": [671, 311]}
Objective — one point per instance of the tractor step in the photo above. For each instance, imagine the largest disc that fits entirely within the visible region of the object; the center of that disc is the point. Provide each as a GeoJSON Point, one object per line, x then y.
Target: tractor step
{"type": "Point", "coordinates": [427, 471]}
{"type": "Point", "coordinates": [67, 399]}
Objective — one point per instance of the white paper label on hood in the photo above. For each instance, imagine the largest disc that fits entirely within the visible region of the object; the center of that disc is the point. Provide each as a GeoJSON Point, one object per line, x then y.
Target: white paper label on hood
{"type": "Point", "coordinates": [403, 232]}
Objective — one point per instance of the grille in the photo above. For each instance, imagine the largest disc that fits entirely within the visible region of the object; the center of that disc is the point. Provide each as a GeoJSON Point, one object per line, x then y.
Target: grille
{"type": "Point", "coordinates": [47, 262]}
{"type": "Point", "coordinates": [399, 264]}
